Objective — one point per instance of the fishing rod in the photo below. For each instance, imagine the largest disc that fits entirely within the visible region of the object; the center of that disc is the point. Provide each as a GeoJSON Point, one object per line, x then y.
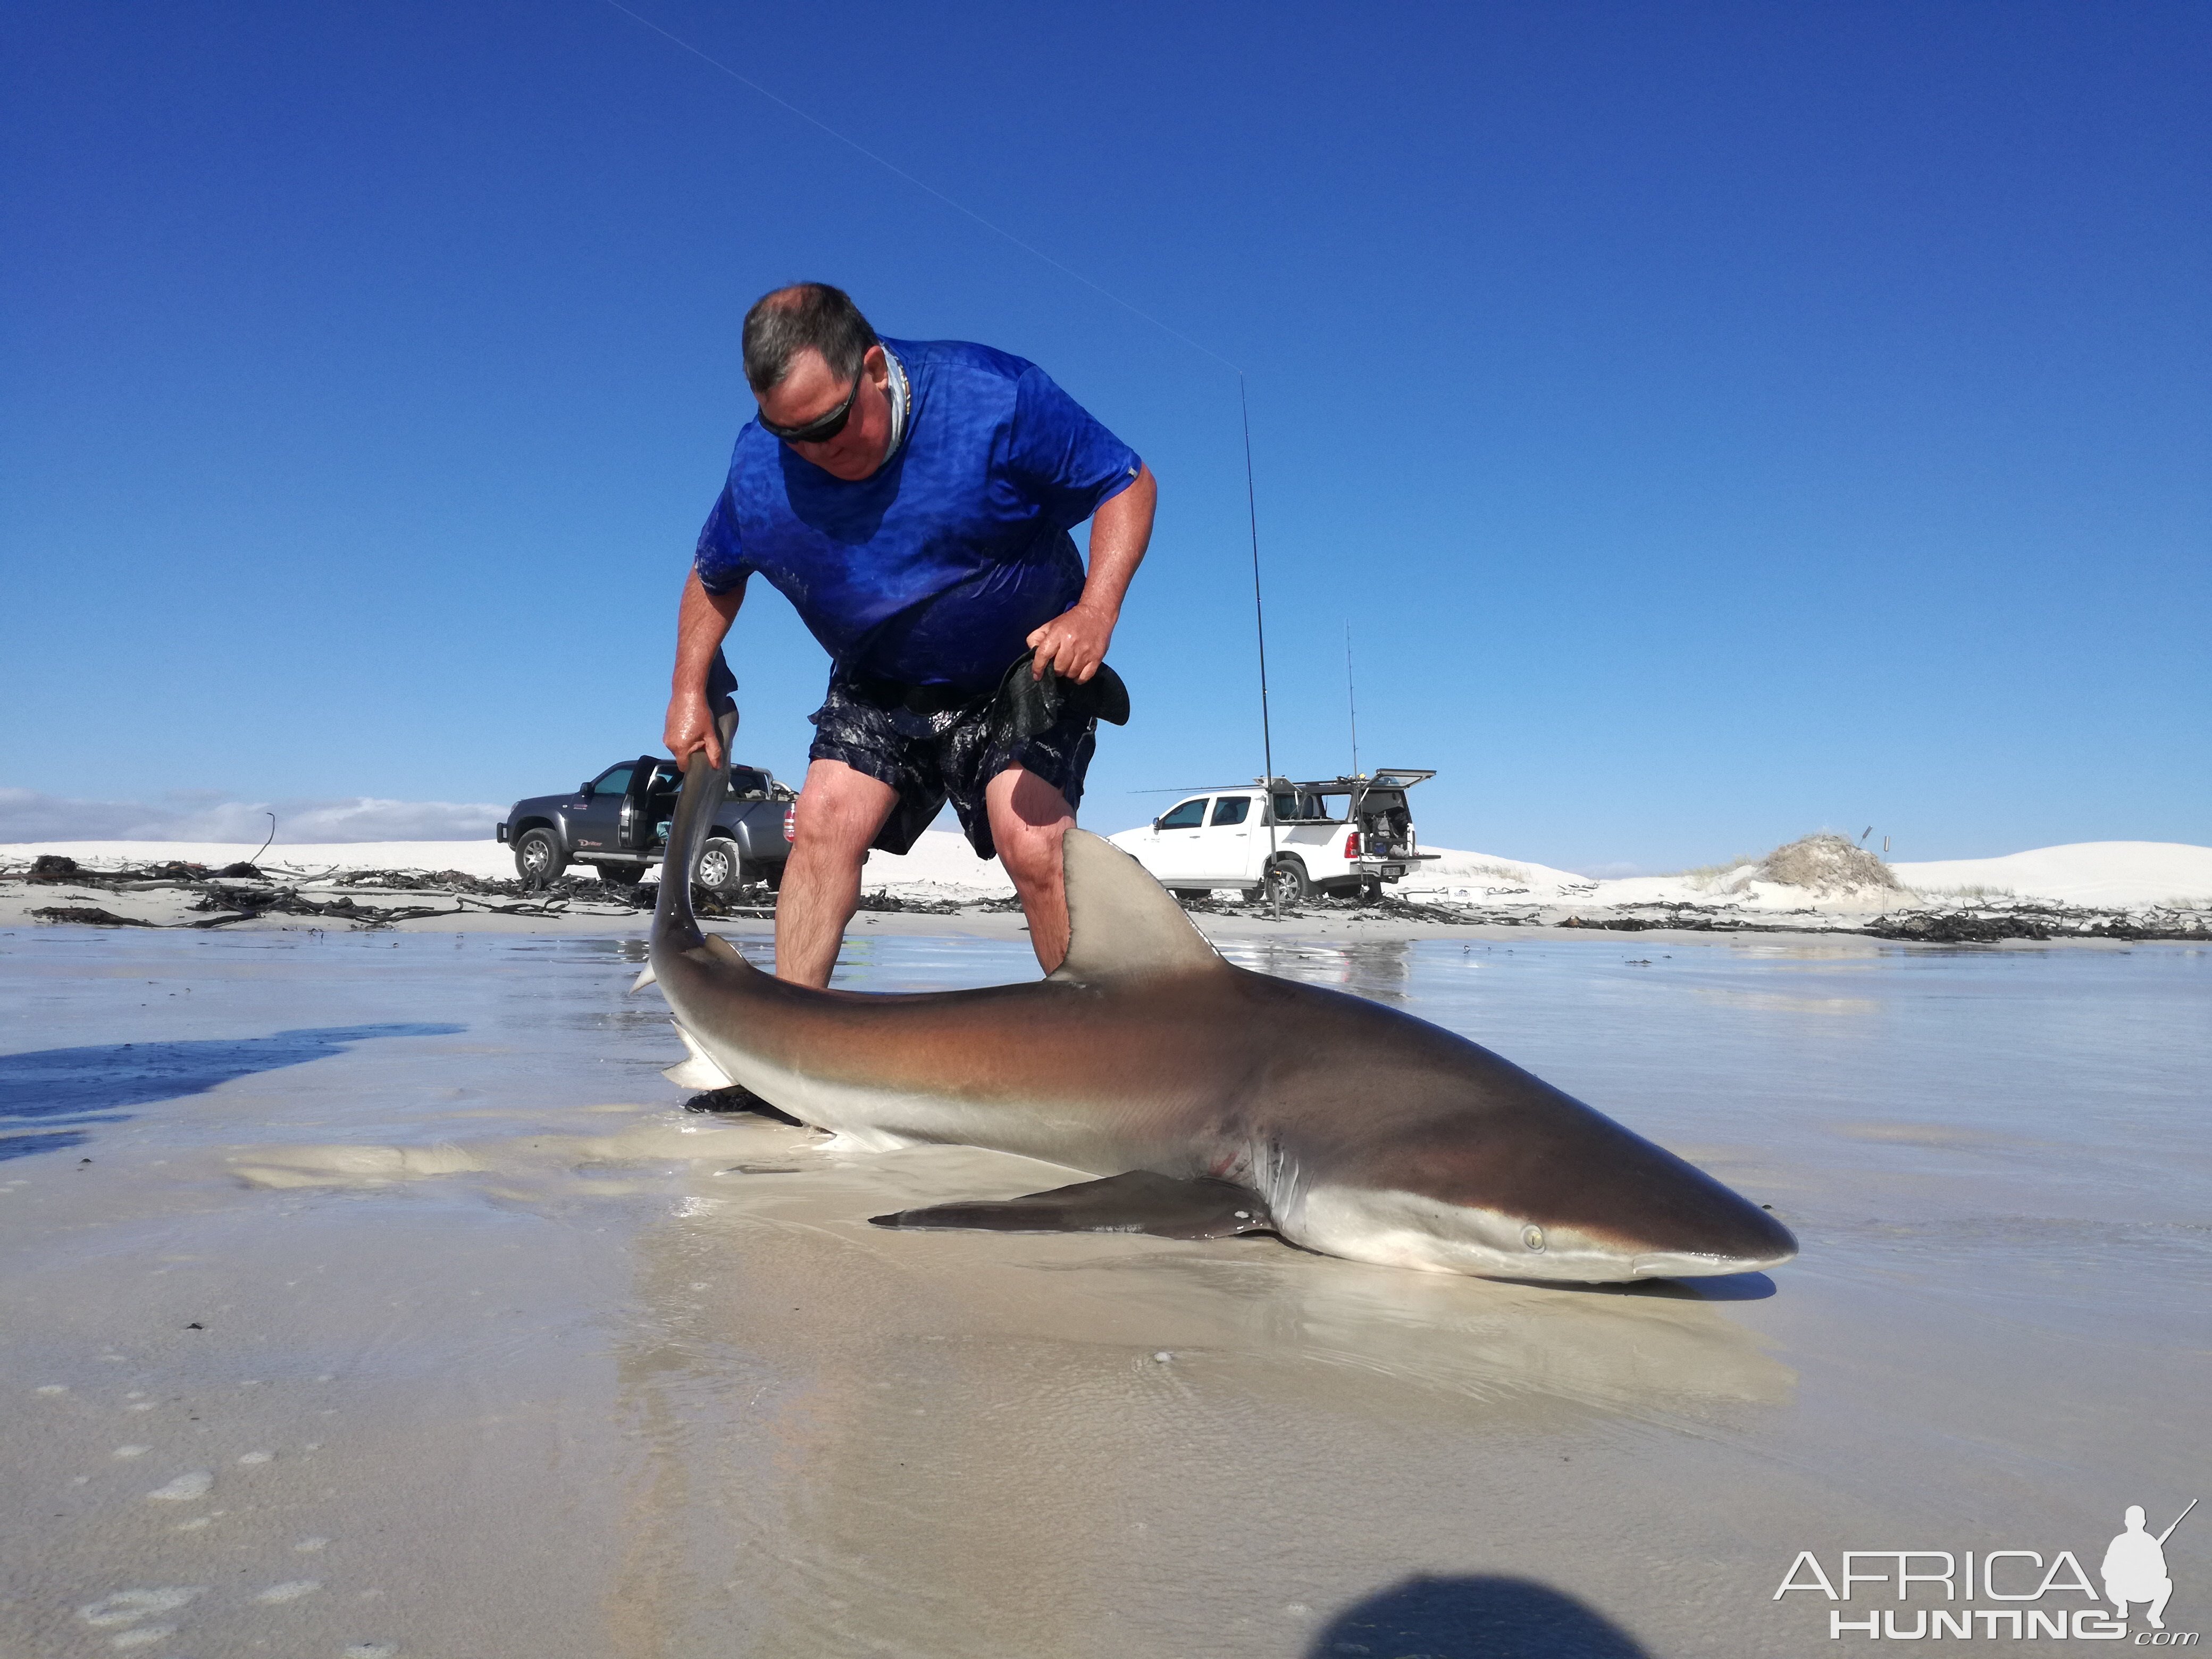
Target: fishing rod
{"type": "Point", "coordinates": [1351, 699]}
{"type": "Point", "coordinates": [1260, 628]}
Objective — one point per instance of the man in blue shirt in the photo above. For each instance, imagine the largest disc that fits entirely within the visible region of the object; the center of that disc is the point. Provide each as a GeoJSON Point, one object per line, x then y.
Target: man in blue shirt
{"type": "Point", "coordinates": [913, 500]}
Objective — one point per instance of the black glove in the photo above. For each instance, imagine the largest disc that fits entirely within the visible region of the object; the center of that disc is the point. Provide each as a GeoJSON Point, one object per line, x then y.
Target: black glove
{"type": "Point", "coordinates": [1030, 703]}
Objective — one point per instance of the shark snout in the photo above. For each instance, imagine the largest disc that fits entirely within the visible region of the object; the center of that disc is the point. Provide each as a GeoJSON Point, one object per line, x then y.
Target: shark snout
{"type": "Point", "coordinates": [1695, 1228]}
{"type": "Point", "coordinates": [1594, 1256]}
{"type": "Point", "coordinates": [1494, 1241]}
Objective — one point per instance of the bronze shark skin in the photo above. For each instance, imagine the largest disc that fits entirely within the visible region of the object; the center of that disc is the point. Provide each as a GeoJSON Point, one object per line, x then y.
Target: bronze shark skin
{"type": "Point", "coordinates": [1356, 1130]}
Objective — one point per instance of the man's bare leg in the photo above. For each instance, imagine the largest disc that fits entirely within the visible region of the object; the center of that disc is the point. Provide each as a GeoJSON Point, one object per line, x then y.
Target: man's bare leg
{"type": "Point", "coordinates": [1029, 817]}
{"type": "Point", "coordinates": [840, 811]}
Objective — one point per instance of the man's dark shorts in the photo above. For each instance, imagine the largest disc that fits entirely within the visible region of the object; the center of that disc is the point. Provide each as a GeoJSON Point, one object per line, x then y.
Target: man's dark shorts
{"type": "Point", "coordinates": [953, 754]}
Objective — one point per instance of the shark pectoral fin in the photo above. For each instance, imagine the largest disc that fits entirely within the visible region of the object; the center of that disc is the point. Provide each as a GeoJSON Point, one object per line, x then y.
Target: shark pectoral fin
{"type": "Point", "coordinates": [1121, 923]}
{"type": "Point", "coordinates": [700, 1072]}
{"type": "Point", "coordinates": [646, 976]}
{"type": "Point", "coordinates": [1137, 1202]}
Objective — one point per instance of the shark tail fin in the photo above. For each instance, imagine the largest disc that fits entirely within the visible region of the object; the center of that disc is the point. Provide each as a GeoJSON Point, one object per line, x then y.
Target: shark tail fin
{"type": "Point", "coordinates": [1121, 923]}
{"type": "Point", "coordinates": [674, 921]}
{"type": "Point", "coordinates": [700, 1072]}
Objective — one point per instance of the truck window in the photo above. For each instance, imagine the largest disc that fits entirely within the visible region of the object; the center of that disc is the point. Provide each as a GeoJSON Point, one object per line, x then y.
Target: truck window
{"type": "Point", "coordinates": [1231, 809]}
{"type": "Point", "coordinates": [1188, 815]}
{"type": "Point", "coordinates": [744, 782]}
{"type": "Point", "coordinates": [614, 781]}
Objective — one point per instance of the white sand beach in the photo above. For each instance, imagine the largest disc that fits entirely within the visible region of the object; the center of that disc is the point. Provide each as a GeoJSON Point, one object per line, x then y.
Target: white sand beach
{"type": "Point", "coordinates": [2107, 874]}
{"type": "Point", "coordinates": [2170, 878]}
{"type": "Point", "coordinates": [368, 1294]}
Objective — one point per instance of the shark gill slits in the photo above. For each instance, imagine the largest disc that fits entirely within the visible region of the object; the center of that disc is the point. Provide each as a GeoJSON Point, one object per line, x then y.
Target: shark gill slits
{"type": "Point", "coordinates": [1533, 1236]}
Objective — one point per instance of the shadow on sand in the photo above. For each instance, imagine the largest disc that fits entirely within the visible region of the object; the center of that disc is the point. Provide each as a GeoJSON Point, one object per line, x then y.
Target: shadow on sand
{"type": "Point", "coordinates": [64, 1090]}
{"type": "Point", "coordinates": [1472, 1618]}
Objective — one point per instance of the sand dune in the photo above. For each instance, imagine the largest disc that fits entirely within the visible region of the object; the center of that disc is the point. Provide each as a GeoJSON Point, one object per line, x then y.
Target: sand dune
{"type": "Point", "coordinates": [2098, 873]}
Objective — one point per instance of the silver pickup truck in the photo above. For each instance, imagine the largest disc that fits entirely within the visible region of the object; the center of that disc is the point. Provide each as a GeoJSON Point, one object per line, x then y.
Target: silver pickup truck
{"type": "Point", "coordinates": [617, 824]}
{"type": "Point", "coordinates": [1289, 839]}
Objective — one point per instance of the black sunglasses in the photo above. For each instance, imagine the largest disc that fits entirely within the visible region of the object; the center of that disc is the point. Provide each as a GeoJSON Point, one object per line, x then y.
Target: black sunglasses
{"type": "Point", "coordinates": [822, 427]}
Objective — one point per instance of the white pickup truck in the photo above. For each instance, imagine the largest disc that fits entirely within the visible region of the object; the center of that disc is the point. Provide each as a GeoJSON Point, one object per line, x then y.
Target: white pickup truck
{"type": "Point", "coordinates": [1337, 835]}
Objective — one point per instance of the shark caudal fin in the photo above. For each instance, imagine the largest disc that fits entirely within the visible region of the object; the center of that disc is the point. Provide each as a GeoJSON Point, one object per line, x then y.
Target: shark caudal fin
{"type": "Point", "coordinates": [673, 922]}
{"type": "Point", "coordinates": [1121, 923]}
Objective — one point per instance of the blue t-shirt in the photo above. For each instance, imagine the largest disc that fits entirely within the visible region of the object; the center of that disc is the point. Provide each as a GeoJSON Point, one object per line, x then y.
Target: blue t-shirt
{"type": "Point", "coordinates": [935, 569]}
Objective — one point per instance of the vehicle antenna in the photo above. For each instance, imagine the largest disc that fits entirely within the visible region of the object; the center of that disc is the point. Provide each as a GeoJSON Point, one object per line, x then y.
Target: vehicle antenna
{"type": "Point", "coordinates": [1351, 699]}
{"type": "Point", "coordinates": [1260, 627]}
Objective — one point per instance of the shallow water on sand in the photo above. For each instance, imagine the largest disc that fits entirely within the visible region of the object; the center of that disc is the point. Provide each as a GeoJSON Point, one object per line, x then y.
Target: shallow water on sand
{"type": "Point", "coordinates": [371, 1296]}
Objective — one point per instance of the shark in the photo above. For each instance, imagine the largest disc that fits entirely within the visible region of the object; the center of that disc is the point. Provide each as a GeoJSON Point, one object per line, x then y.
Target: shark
{"type": "Point", "coordinates": [1202, 1099]}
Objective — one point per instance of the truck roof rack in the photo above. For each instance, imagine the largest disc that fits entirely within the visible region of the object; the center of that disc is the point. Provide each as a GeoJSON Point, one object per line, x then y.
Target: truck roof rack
{"type": "Point", "coordinates": [1388, 777]}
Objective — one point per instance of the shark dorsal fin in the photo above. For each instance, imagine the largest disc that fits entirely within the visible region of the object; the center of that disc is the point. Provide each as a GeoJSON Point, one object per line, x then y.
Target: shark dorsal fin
{"type": "Point", "coordinates": [1121, 923]}
{"type": "Point", "coordinates": [722, 949]}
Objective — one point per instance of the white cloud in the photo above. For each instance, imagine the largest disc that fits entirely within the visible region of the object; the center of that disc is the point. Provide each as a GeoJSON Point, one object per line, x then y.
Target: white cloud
{"type": "Point", "coordinates": [202, 815]}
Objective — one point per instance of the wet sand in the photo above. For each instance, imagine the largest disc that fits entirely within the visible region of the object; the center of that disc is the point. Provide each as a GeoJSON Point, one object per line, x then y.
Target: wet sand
{"type": "Point", "coordinates": [368, 1294]}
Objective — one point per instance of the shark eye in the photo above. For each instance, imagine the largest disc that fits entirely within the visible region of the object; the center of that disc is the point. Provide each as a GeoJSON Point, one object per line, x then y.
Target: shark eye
{"type": "Point", "coordinates": [1533, 1237]}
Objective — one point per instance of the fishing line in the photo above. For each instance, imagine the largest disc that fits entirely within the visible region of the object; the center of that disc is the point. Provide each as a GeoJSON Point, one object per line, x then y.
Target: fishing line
{"type": "Point", "coordinates": [958, 207]}
{"type": "Point", "coordinates": [1251, 499]}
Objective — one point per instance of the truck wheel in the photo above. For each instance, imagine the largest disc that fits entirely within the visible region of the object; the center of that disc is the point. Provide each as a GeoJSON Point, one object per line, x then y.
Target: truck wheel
{"type": "Point", "coordinates": [1286, 880]}
{"type": "Point", "coordinates": [620, 875]}
{"type": "Point", "coordinates": [719, 867]}
{"type": "Point", "coordinates": [538, 858]}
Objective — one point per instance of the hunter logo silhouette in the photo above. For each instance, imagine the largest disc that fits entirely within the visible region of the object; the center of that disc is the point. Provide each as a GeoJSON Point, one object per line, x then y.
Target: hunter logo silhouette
{"type": "Point", "coordinates": [2134, 1566]}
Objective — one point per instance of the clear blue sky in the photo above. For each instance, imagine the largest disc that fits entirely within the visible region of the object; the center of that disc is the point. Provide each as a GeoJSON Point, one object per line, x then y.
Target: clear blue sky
{"type": "Point", "coordinates": [1713, 422]}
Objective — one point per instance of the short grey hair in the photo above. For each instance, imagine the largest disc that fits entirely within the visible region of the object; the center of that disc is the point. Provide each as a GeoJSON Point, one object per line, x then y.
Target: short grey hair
{"type": "Point", "coordinates": [802, 317]}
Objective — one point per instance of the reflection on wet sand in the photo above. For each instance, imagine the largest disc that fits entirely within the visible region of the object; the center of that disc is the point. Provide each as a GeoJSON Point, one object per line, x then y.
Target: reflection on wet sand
{"type": "Point", "coordinates": [886, 1441]}
{"type": "Point", "coordinates": [548, 1371]}
{"type": "Point", "coordinates": [843, 1439]}
{"type": "Point", "coordinates": [1509, 1345]}
{"type": "Point", "coordinates": [1381, 969]}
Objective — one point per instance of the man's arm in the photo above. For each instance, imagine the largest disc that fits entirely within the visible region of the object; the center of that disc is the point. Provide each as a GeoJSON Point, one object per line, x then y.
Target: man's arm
{"type": "Point", "coordinates": [702, 620]}
{"type": "Point", "coordinates": [1074, 642]}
